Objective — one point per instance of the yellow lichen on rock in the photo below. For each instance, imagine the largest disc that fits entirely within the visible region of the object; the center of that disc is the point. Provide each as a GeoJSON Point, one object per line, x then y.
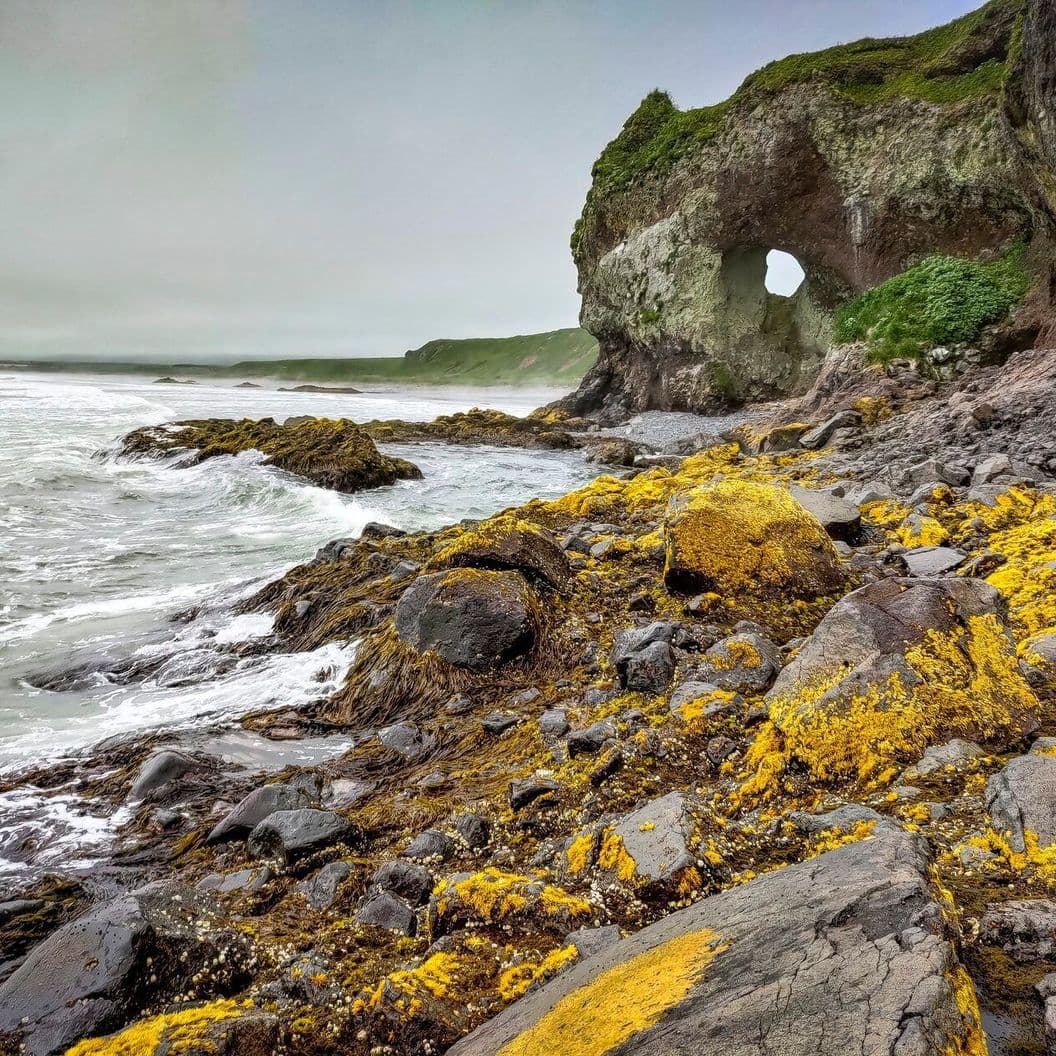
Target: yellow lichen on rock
{"type": "Point", "coordinates": [178, 1030]}
{"type": "Point", "coordinates": [965, 683]}
{"type": "Point", "coordinates": [971, 1041]}
{"type": "Point", "coordinates": [738, 537]}
{"type": "Point", "coordinates": [493, 895]}
{"type": "Point", "coordinates": [831, 839]}
{"type": "Point", "coordinates": [518, 978]}
{"type": "Point", "coordinates": [621, 1002]}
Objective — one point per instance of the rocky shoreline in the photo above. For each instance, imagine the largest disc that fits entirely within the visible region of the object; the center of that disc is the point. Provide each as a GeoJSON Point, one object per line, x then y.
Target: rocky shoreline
{"type": "Point", "coordinates": [756, 741]}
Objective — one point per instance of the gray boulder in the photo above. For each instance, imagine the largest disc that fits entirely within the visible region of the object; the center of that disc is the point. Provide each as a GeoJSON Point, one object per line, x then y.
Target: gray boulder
{"type": "Point", "coordinates": [89, 977]}
{"type": "Point", "coordinates": [862, 643]}
{"type": "Point", "coordinates": [320, 891]}
{"type": "Point", "coordinates": [1024, 928]}
{"type": "Point", "coordinates": [843, 953]}
{"type": "Point", "coordinates": [468, 617]}
{"type": "Point", "coordinates": [381, 909]}
{"type": "Point", "coordinates": [406, 739]}
{"type": "Point", "coordinates": [288, 835]}
{"type": "Point", "coordinates": [955, 755]}
{"type": "Point", "coordinates": [821, 434]}
{"type": "Point", "coordinates": [742, 663]}
{"type": "Point", "coordinates": [839, 517]}
{"type": "Point", "coordinates": [927, 561]}
{"type": "Point", "coordinates": [407, 880]}
{"type": "Point", "coordinates": [1021, 800]}
{"type": "Point", "coordinates": [258, 805]}
{"type": "Point", "coordinates": [430, 844]}
{"type": "Point", "coordinates": [158, 772]}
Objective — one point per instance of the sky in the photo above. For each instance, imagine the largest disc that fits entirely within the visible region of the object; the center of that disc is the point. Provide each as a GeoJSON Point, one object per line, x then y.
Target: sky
{"type": "Point", "coordinates": [194, 180]}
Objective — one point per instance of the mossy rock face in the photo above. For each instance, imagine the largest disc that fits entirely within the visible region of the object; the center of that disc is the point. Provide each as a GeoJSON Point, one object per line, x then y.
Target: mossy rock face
{"type": "Point", "coordinates": [739, 538]}
{"type": "Point", "coordinates": [331, 452]}
{"type": "Point", "coordinates": [513, 545]}
{"type": "Point", "coordinates": [859, 161]}
{"type": "Point", "coordinates": [470, 618]}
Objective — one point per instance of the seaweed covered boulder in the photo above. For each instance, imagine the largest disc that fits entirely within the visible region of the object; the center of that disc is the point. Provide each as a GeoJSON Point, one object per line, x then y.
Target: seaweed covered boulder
{"type": "Point", "coordinates": [737, 537]}
{"type": "Point", "coordinates": [331, 452]}
{"type": "Point", "coordinates": [842, 953]}
{"type": "Point", "coordinates": [510, 544]}
{"type": "Point", "coordinates": [96, 972]}
{"type": "Point", "coordinates": [899, 665]}
{"type": "Point", "coordinates": [469, 617]}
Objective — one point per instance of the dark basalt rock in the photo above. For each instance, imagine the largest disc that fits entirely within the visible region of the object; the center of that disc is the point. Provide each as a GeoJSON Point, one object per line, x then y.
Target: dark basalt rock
{"type": "Point", "coordinates": [258, 805]}
{"type": "Point", "coordinates": [292, 834]}
{"type": "Point", "coordinates": [408, 881]}
{"type": "Point", "coordinates": [468, 617]}
{"type": "Point", "coordinates": [91, 975]}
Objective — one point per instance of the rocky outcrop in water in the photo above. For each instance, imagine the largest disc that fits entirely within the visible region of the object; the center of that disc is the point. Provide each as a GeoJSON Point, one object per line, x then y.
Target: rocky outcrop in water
{"type": "Point", "coordinates": [858, 161]}
{"type": "Point", "coordinates": [333, 453]}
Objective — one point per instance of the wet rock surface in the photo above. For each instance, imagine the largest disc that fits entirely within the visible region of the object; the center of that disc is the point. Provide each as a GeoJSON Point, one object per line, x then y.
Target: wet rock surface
{"type": "Point", "coordinates": [782, 959]}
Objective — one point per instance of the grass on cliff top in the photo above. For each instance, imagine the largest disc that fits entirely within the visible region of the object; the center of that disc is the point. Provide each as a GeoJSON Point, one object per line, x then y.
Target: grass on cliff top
{"type": "Point", "coordinates": [965, 59]}
{"type": "Point", "coordinates": [941, 301]}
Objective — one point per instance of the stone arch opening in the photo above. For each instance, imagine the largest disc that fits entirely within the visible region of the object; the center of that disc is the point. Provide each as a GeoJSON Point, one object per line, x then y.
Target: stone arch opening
{"type": "Point", "coordinates": [784, 274]}
{"type": "Point", "coordinates": [775, 338]}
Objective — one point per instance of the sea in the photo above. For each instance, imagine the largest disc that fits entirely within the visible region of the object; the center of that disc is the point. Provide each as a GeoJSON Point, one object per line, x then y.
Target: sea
{"type": "Point", "coordinates": [100, 555]}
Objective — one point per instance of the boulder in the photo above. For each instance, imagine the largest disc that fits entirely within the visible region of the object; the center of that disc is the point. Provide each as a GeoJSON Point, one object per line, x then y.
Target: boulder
{"type": "Point", "coordinates": [953, 755]}
{"type": "Point", "coordinates": [735, 537]}
{"type": "Point", "coordinates": [590, 739]}
{"type": "Point", "coordinates": [88, 977]}
{"type": "Point", "coordinates": [510, 545]}
{"type": "Point", "coordinates": [1021, 801]}
{"type": "Point", "coordinates": [406, 739]}
{"type": "Point", "coordinates": [238, 823]}
{"type": "Point", "coordinates": [474, 829]}
{"type": "Point", "coordinates": [525, 791]}
{"type": "Point", "coordinates": [382, 909]}
{"type": "Point", "coordinates": [820, 435]}
{"type": "Point", "coordinates": [742, 663]}
{"type": "Point", "coordinates": [320, 891]}
{"type": "Point", "coordinates": [842, 953]}
{"type": "Point", "coordinates": [839, 517]}
{"type": "Point", "coordinates": [1023, 928]}
{"type": "Point", "coordinates": [413, 883]}
{"type": "Point", "coordinates": [430, 844]}
{"type": "Point", "coordinates": [468, 617]}
{"type": "Point", "coordinates": [220, 1028]}
{"type": "Point", "coordinates": [288, 835]}
{"type": "Point", "coordinates": [899, 665]}
{"type": "Point", "coordinates": [655, 838]}
{"type": "Point", "coordinates": [158, 772]}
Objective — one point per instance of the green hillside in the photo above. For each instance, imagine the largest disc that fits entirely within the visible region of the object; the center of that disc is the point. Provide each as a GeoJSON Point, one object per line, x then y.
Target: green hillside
{"type": "Point", "coordinates": [559, 357]}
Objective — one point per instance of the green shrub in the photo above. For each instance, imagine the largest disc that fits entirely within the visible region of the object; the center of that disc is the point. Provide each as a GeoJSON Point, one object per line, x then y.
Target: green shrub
{"type": "Point", "coordinates": [941, 301]}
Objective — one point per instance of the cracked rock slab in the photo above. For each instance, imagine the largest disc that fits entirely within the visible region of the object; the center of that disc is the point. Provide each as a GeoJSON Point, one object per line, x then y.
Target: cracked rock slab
{"type": "Point", "coordinates": [841, 955]}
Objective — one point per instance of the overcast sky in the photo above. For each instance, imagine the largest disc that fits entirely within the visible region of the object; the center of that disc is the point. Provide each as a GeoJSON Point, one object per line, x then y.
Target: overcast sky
{"type": "Point", "coordinates": [208, 179]}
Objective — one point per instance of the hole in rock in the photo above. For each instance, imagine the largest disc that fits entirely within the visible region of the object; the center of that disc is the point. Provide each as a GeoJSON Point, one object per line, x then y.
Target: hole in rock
{"type": "Point", "coordinates": [784, 274]}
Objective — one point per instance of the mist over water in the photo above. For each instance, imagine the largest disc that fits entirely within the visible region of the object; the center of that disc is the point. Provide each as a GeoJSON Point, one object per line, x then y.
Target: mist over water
{"type": "Point", "coordinates": [100, 553]}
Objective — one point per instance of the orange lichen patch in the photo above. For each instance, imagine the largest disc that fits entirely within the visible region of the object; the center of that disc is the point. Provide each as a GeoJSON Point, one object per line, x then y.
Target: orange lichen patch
{"type": "Point", "coordinates": [621, 1002]}
{"type": "Point", "coordinates": [580, 853]}
{"type": "Point", "coordinates": [178, 1030]}
{"type": "Point", "coordinates": [738, 537]}
{"type": "Point", "coordinates": [1037, 858]}
{"type": "Point", "coordinates": [515, 980]}
{"type": "Point", "coordinates": [965, 683]}
{"type": "Point", "coordinates": [873, 409]}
